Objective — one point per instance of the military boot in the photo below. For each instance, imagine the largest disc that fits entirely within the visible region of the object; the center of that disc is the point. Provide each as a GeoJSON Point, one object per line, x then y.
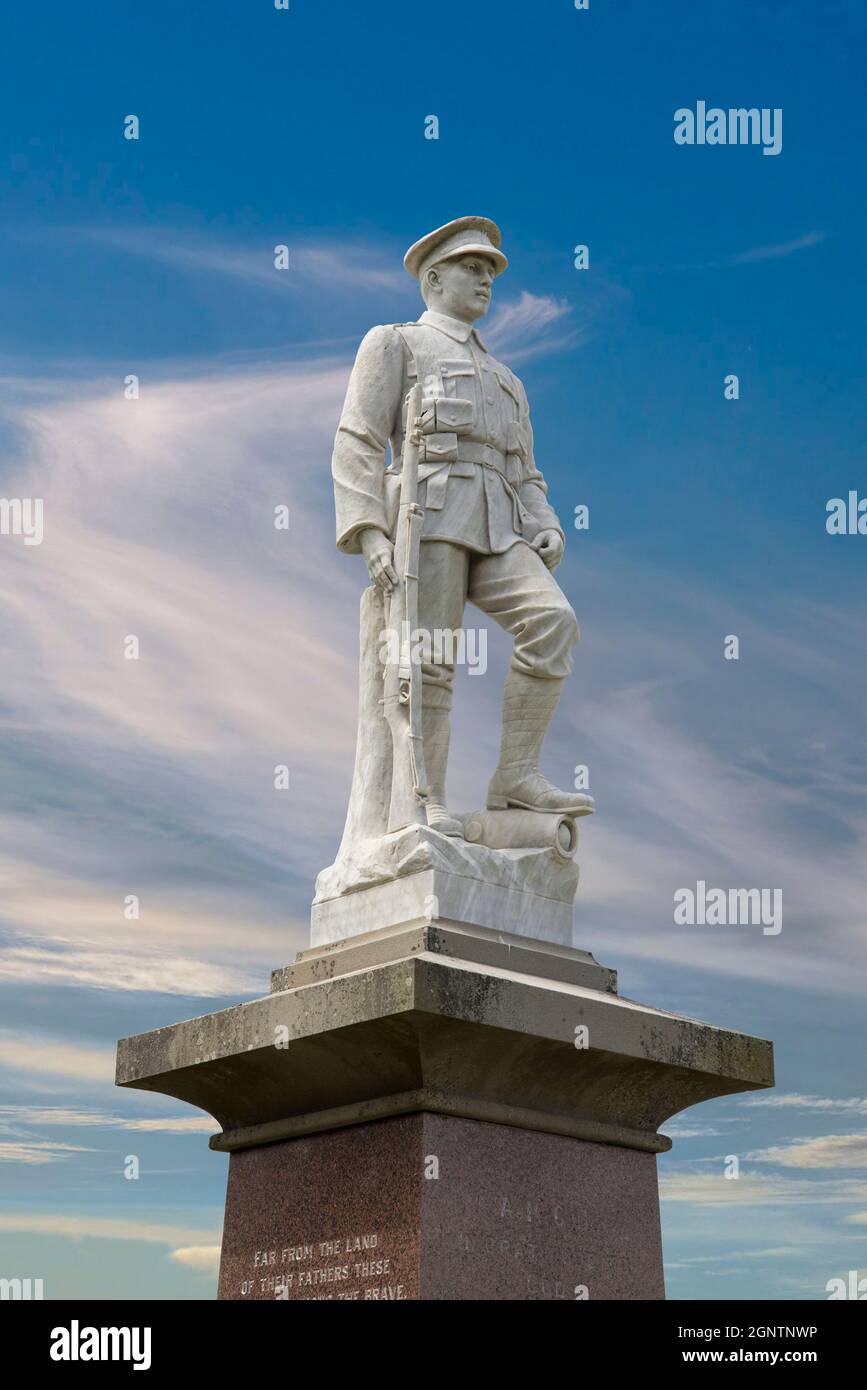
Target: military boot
{"type": "Point", "coordinates": [529, 703]}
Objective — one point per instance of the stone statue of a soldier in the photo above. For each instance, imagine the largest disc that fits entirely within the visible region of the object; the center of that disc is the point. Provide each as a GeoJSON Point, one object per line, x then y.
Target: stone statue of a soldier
{"type": "Point", "coordinates": [489, 534]}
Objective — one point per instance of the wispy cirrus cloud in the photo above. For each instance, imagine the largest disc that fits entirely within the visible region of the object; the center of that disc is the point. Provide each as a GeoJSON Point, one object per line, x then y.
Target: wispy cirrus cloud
{"type": "Point", "coordinates": [52, 1115]}
{"type": "Point", "coordinates": [804, 1226]}
{"type": "Point", "coordinates": [37, 1152]}
{"type": "Point", "coordinates": [833, 1151]}
{"type": "Point", "coordinates": [94, 1227]}
{"type": "Point", "coordinates": [534, 325]}
{"type": "Point", "coordinates": [64, 930]}
{"type": "Point", "coordinates": [853, 1105]}
{"type": "Point", "coordinates": [515, 321]}
{"type": "Point", "coordinates": [773, 251]}
{"type": "Point", "coordinates": [21, 1123]}
{"type": "Point", "coordinates": [772, 1252]}
{"type": "Point", "coordinates": [205, 1258]}
{"type": "Point", "coordinates": [688, 1131]}
{"type": "Point", "coordinates": [329, 265]}
{"type": "Point", "coordinates": [161, 524]}
{"type": "Point", "coordinates": [759, 1190]}
{"type": "Point", "coordinates": [778, 250]}
{"type": "Point", "coordinates": [138, 970]}
{"type": "Point", "coordinates": [32, 1053]}
{"type": "Point", "coordinates": [519, 327]}
{"type": "Point", "coordinates": [690, 804]}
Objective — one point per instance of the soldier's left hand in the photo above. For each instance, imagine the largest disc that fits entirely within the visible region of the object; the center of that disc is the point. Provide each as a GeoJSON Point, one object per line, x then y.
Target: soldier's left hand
{"type": "Point", "coordinates": [549, 546]}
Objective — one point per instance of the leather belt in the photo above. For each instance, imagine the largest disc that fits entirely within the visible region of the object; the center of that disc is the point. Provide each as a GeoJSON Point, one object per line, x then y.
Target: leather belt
{"type": "Point", "coordinates": [436, 476]}
{"type": "Point", "coordinates": [485, 454]}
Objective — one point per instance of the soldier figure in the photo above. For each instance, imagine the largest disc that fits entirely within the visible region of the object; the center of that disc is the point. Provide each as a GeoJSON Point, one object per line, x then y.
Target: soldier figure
{"type": "Point", "coordinates": [489, 534]}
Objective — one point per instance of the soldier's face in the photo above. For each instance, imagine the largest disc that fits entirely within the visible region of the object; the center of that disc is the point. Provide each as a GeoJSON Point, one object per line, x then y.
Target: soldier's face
{"type": "Point", "coordinates": [465, 287]}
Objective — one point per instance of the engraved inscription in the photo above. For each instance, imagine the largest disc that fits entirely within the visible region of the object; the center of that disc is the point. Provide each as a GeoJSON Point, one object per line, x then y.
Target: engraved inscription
{"type": "Point", "coordinates": [351, 1267]}
{"type": "Point", "coordinates": [519, 1237]}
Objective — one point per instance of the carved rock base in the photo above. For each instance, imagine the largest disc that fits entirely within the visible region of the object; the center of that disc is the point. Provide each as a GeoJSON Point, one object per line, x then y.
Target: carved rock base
{"type": "Point", "coordinates": [417, 874]}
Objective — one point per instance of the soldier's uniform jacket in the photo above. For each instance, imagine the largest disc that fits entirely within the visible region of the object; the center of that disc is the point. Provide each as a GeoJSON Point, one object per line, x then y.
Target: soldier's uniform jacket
{"type": "Point", "coordinates": [479, 483]}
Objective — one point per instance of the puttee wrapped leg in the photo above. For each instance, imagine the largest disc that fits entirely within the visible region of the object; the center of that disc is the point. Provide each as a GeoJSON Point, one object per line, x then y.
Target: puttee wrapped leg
{"type": "Point", "coordinates": [529, 703]}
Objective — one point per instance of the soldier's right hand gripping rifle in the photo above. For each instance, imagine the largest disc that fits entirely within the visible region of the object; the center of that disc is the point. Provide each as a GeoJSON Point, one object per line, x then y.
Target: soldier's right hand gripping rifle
{"type": "Point", "coordinates": [402, 677]}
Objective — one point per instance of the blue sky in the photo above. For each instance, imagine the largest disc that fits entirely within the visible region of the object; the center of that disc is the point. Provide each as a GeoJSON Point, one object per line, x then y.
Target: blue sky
{"type": "Point", "coordinates": [154, 777]}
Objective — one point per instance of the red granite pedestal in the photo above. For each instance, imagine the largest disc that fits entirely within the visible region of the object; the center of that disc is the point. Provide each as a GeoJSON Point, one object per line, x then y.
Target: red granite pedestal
{"type": "Point", "coordinates": [430, 1206]}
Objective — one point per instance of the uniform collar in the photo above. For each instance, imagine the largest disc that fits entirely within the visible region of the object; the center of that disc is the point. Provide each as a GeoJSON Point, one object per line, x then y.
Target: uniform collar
{"type": "Point", "coordinates": [455, 328]}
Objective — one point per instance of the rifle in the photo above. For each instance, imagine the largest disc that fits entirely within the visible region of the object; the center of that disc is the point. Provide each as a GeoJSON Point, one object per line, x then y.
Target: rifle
{"type": "Point", "coordinates": [402, 680]}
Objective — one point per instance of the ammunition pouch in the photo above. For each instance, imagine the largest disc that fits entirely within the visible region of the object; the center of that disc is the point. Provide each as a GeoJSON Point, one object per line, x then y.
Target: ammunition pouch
{"type": "Point", "coordinates": [443, 420]}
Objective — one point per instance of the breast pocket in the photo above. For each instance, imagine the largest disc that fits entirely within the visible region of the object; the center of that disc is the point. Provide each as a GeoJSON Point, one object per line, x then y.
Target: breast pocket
{"type": "Point", "coordinates": [458, 376]}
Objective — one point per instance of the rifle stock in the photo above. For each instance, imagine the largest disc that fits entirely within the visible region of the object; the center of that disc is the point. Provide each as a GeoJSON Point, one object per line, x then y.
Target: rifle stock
{"type": "Point", "coordinates": [402, 678]}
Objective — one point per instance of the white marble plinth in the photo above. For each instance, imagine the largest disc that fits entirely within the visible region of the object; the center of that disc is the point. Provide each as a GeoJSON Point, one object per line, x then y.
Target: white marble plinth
{"type": "Point", "coordinates": [419, 875]}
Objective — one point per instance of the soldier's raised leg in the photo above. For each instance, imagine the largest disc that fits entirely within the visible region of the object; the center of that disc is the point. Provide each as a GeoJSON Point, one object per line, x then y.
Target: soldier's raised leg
{"type": "Point", "coordinates": [521, 594]}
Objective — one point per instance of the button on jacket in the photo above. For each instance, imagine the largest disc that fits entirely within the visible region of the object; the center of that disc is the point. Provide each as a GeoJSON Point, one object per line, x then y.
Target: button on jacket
{"type": "Point", "coordinates": [478, 480]}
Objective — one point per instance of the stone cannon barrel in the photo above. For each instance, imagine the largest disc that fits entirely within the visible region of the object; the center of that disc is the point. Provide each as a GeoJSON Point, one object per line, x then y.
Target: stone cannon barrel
{"type": "Point", "coordinates": [516, 829]}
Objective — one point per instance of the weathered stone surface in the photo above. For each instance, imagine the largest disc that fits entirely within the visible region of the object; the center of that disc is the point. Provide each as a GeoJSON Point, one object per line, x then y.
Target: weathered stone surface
{"type": "Point", "coordinates": [418, 1093]}
{"type": "Point", "coordinates": [438, 1208]}
{"type": "Point", "coordinates": [426, 1031]}
{"type": "Point", "coordinates": [484, 946]}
